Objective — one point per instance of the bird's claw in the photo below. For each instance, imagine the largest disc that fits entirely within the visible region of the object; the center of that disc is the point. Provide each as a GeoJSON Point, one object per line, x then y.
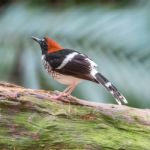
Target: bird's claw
{"type": "Point", "coordinates": [59, 96]}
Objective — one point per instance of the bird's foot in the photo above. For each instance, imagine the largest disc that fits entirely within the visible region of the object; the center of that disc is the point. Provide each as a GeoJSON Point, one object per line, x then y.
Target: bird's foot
{"type": "Point", "coordinates": [59, 96]}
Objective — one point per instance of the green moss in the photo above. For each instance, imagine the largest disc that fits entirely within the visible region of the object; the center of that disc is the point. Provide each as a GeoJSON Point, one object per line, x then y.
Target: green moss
{"type": "Point", "coordinates": [42, 124]}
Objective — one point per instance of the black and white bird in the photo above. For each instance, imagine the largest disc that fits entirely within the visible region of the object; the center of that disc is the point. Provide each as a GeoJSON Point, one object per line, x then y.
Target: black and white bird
{"type": "Point", "coordinates": [70, 67]}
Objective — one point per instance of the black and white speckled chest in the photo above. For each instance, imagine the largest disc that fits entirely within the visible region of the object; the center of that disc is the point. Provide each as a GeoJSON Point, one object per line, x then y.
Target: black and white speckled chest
{"type": "Point", "coordinates": [47, 65]}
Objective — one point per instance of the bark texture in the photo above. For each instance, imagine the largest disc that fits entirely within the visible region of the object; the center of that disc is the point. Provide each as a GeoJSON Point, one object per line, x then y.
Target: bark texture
{"type": "Point", "coordinates": [30, 119]}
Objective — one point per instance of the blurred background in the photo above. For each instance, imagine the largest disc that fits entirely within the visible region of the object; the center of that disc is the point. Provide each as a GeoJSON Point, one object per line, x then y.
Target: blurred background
{"type": "Point", "coordinates": [114, 33]}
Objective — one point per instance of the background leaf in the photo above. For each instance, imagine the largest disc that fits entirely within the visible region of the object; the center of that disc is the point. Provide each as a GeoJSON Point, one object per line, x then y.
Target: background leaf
{"type": "Point", "coordinates": [115, 35]}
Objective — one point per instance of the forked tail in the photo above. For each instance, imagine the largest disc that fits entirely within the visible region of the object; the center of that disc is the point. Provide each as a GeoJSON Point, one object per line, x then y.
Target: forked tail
{"type": "Point", "coordinates": [111, 88]}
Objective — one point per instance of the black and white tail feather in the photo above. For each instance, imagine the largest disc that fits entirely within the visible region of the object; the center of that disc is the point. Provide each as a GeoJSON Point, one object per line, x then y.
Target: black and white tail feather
{"type": "Point", "coordinates": [120, 99]}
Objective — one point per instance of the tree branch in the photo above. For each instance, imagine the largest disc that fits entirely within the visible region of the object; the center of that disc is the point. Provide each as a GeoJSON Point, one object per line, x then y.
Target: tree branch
{"type": "Point", "coordinates": [30, 119]}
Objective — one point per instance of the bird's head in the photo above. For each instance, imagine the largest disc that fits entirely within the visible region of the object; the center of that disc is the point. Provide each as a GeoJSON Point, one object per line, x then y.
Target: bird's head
{"type": "Point", "coordinates": [48, 45]}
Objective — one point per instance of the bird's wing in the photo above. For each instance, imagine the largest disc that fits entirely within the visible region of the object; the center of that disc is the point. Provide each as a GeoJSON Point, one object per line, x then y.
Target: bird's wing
{"type": "Point", "coordinates": [69, 62]}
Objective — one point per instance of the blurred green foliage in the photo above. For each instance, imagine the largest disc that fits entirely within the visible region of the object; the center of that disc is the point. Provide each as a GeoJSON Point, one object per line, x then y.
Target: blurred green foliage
{"type": "Point", "coordinates": [117, 38]}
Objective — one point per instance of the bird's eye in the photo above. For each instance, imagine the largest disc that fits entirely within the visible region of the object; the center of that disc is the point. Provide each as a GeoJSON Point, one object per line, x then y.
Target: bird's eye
{"type": "Point", "coordinates": [44, 46]}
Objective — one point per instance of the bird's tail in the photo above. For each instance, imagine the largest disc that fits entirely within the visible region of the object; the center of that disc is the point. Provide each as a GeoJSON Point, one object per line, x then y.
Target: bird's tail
{"type": "Point", "coordinates": [111, 88]}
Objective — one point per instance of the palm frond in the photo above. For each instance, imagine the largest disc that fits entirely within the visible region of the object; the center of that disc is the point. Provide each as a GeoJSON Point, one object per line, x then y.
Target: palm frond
{"type": "Point", "coordinates": [117, 39]}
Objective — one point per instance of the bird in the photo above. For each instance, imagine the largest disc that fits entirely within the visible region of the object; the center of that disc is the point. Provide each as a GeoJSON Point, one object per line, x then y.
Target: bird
{"type": "Point", "coordinates": [70, 67]}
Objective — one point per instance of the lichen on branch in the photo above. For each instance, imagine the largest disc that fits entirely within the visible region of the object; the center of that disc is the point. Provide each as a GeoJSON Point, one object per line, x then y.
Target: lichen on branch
{"type": "Point", "coordinates": [30, 119]}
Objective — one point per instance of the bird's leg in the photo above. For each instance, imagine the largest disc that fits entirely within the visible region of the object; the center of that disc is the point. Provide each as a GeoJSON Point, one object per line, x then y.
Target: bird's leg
{"type": "Point", "coordinates": [70, 90]}
{"type": "Point", "coordinates": [67, 89]}
{"type": "Point", "coordinates": [66, 92]}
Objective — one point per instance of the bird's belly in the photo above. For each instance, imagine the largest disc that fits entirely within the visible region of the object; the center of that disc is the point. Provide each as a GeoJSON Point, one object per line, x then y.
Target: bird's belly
{"type": "Point", "coordinates": [65, 79]}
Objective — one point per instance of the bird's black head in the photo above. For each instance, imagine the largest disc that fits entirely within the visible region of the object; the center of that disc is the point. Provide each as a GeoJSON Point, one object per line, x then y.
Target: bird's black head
{"type": "Point", "coordinates": [43, 44]}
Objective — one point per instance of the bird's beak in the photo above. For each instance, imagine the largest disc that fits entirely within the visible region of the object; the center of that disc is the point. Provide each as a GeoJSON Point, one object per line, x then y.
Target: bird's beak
{"type": "Point", "coordinates": [36, 39]}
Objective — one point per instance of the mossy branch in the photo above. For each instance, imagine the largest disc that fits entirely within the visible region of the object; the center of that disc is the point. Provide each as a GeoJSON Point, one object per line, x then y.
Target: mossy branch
{"type": "Point", "coordinates": [30, 119]}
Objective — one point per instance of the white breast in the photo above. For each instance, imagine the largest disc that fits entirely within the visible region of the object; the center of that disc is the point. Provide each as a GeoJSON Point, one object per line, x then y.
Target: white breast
{"type": "Point", "coordinates": [66, 80]}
